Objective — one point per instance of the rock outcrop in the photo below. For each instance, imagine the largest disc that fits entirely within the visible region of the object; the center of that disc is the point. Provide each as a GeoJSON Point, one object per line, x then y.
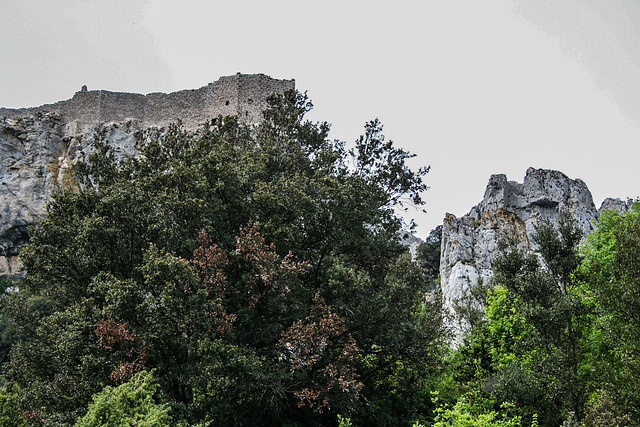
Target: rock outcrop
{"type": "Point", "coordinates": [615, 204]}
{"type": "Point", "coordinates": [508, 209]}
{"type": "Point", "coordinates": [36, 159]}
{"type": "Point", "coordinates": [39, 146]}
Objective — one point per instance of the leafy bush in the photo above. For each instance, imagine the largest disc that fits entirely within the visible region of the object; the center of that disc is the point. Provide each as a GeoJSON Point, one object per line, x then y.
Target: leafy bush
{"type": "Point", "coordinates": [9, 414]}
{"type": "Point", "coordinates": [130, 404]}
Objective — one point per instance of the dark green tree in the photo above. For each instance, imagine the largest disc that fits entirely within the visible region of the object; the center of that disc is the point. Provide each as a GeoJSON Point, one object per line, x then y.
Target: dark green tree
{"type": "Point", "coordinates": [428, 256]}
{"type": "Point", "coordinates": [259, 271]}
{"type": "Point", "coordinates": [5, 333]}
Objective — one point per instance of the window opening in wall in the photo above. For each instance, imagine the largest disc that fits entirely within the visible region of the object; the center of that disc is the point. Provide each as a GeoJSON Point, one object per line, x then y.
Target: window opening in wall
{"type": "Point", "coordinates": [227, 103]}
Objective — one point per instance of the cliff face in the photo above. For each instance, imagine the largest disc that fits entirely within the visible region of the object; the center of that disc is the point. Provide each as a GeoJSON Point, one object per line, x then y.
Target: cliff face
{"type": "Point", "coordinates": [36, 159]}
{"type": "Point", "coordinates": [508, 209]}
{"type": "Point", "coordinates": [39, 146]}
{"type": "Point", "coordinates": [32, 152]}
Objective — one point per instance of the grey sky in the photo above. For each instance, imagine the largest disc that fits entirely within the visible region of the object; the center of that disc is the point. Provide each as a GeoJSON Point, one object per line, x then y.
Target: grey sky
{"type": "Point", "coordinates": [473, 88]}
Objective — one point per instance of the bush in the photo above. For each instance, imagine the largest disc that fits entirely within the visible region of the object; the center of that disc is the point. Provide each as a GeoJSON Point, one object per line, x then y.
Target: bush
{"type": "Point", "coordinates": [130, 404]}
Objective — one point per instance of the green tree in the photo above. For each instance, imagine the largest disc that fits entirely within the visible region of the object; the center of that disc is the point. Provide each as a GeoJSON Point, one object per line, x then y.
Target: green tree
{"type": "Point", "coordinates": [130, 404]}
{"type": "Point", "coordinates": [10, 414]}
{"type": "Point", "coordinates": [5, 333]}
{"type": "Point", "coordinates": [467, 414]}
{"type": "Point", "coordinates": [611, 269]}
{"type": "Point", "coordinates": [428, 256]}
{"type": "Point", "coordinates": [530, 344]}
{"type": "Point", "coordinates": [258, 270]}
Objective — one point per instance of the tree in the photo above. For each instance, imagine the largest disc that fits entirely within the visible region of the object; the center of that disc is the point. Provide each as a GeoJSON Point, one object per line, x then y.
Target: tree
{"type": "Point", "coordinates": [467, 414]}
{"type": "Point", "coordinates": [130, 404]}
{"type": "Point", "coordinates": [611, 269]}
{"type": "Point", "coordinates": [535, 320]}
{"type": "Point", "coordinates": [5, 334]}
{"type": "Point", "coordinates": [429, 254]}
{"type": "Point", "coordinates": [10, 414]}
{"type": "Point", "coordinates": [255, 269]}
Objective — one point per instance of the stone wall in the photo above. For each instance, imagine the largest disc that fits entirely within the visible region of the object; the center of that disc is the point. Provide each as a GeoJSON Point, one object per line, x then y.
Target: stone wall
{"type": "Point", "coordinates": [243, 95]}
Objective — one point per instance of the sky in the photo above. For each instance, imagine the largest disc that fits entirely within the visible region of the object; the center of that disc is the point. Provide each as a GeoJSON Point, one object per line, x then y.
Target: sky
{"type": "Point", "coordinates": [473, 88]}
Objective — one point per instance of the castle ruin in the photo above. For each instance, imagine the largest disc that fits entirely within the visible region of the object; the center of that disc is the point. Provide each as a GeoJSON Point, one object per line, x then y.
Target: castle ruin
{"type": "Point", "coordinates": [39, 146]}
{"type": "Point", "coordinates": [242, 95]}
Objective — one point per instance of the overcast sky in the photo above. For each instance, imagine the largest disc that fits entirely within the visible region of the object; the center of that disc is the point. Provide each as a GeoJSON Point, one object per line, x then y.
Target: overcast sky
{"type": "Point", "coordinates": [472, 87]}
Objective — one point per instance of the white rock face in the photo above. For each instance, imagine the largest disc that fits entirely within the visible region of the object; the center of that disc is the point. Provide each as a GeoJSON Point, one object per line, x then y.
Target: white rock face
{"type": "Point", "coordinates": [614, 204]}
{"type": "Point", "coordinates": [36, 159]}
{"type": "Point", "coordinates": [508, 209]}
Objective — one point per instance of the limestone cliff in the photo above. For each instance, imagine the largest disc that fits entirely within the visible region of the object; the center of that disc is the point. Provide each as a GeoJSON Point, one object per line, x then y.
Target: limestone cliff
{"type": "Point", "coordinates": [36, 159]}
{"type": "Point", "coordinates": [508, 209]}
{"type": "Point", "coordinates": [39, 146]}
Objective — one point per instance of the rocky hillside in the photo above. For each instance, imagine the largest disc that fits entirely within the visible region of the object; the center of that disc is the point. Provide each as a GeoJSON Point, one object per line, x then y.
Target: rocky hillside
{"type": "Point", "coordinates": [39, 146]}
{"type": "Point", "coordinates": [508, 209]}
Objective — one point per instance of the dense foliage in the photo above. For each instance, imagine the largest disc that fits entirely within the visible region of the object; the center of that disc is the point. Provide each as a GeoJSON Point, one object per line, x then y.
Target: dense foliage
{"type": "Point", "coordinates": [257, 271]}
{"type": "Point", "coordinates": [611, 269]}
{"type": "Point", "coordinates": [255, 276]}
{"type": "Point", "coordinates": [129, 404]}
{"type": "Point", "coordinates": [556, 340]}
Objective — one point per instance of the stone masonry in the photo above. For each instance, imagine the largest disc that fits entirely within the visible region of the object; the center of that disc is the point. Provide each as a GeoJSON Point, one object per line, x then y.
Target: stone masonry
{"type": "Point", "coordinates": [243, 95]}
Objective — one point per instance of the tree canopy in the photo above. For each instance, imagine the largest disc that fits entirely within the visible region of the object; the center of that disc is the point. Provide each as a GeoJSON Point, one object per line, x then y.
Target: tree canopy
{"type": "Point", "coordinates": [254, 275]}
{"type": "Point", "coordinates": [257, 270]}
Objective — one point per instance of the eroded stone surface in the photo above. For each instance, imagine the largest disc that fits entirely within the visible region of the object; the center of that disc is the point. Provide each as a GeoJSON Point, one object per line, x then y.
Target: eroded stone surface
{"type": "Point", "coordinates": [508, 210]}
{"type": "Point", "coordinates": [35, 161]}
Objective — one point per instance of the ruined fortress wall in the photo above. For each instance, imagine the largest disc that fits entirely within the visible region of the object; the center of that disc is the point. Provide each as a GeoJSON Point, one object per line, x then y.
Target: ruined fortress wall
{"type": "Point", "coordinates": [243, 95]}
{"type": "Point", "coordinates": [253, 94]}
{"type": "Point", "coordinates": [188, 105]}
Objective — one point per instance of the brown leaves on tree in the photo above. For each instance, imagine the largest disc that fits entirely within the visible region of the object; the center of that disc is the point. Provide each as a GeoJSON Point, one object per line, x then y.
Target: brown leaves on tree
{"type": "Point", "coordinates": [267, 268]}
{"type": "Point", "coordinates": [209, 261]}
{"type": "Point", "coordinates": [263, 270]}
{"type": "Point", "coordinates": [117, 337]}
{"type": "Point", "coordinates": [322, 345]}
{"type": "Point", "coordinates": [35, 416]}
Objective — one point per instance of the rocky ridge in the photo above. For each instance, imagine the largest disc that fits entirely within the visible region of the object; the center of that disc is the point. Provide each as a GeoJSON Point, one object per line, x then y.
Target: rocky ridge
{"type": "Point", "coordinates": [508, 209]}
